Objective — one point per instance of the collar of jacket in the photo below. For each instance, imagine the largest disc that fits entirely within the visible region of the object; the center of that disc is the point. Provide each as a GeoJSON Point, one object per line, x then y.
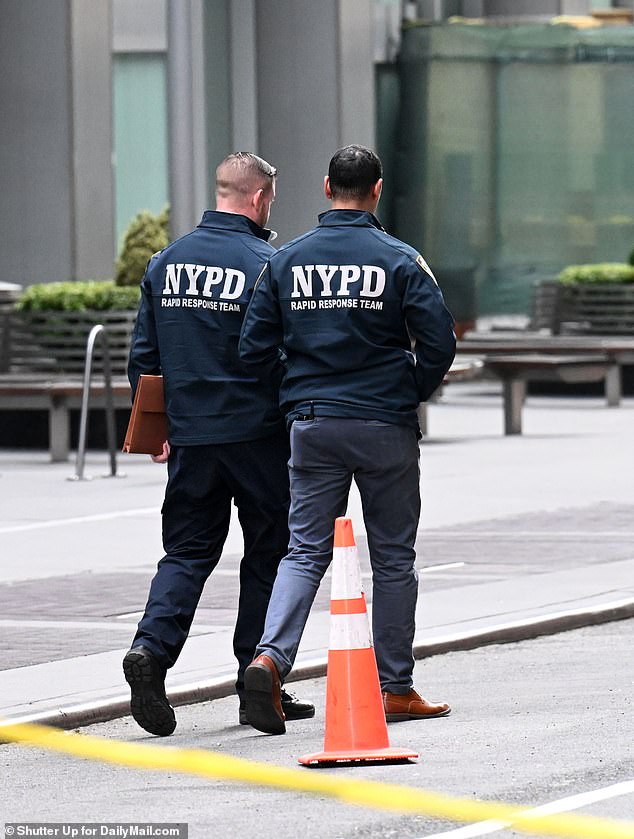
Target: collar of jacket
{"type": "Point", "coordinates": [354, 218]}
{"type": "Point", "coordinates": [233, 221]}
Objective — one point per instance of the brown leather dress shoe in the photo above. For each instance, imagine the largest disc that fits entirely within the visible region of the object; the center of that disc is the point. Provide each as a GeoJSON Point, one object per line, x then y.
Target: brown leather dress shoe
{"type": "Point", "coordinates": [411, 706]}
{"type": "Point", "coordinates": [263, 702]}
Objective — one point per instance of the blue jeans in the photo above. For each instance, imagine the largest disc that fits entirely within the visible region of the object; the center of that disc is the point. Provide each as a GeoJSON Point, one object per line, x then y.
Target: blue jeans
{"type": "Point", "coordinates": [202, 482]}
{"type": "Point", "coordinates": [326, 454]}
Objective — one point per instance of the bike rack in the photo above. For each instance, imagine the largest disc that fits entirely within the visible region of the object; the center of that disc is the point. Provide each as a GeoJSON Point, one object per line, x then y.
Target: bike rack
{"type": "Point", "coordinates": [98, 331]}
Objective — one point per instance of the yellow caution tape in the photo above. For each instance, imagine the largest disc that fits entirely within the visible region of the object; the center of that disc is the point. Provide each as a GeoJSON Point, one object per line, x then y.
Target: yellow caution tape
{"type": "Point", "coordinates": [364, 793]}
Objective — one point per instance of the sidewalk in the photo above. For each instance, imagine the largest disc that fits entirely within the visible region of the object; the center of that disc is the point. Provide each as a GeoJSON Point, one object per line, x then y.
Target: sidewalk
{"type": "Point", "coordinates": [519, 536]}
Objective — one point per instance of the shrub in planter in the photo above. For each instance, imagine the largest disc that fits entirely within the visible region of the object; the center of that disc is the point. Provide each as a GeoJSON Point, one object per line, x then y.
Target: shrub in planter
{"type": "Point", "coordinates": [600, 274]}
{"type": "Point", "coordinates": [146, 234]}
{"type": "Point", "coordinates": [50, 328]}
{"type": "Point", "coordinates": [81, 296]}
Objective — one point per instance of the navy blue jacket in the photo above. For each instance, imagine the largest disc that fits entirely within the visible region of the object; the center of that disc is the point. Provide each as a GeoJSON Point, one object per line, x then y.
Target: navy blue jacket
{"type": "Point", "coordinates": [193, 299]}
{"type": "Point", "coordinates": [361, 323]}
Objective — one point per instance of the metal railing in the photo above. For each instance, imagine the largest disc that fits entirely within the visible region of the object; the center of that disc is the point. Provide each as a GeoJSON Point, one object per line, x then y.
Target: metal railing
{"type": "Point", "coordinates": [98, 331]}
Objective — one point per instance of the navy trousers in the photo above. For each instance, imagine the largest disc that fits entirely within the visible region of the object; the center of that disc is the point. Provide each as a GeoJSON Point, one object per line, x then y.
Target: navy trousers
{"type": "Point", "coordinates": [202, 483]}
{"type": "Point", "coordinates": [326, 454]}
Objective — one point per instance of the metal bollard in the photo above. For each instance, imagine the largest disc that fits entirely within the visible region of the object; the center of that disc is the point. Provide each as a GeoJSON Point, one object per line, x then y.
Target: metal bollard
{"type": "Point", "coordinates": [98, 331]}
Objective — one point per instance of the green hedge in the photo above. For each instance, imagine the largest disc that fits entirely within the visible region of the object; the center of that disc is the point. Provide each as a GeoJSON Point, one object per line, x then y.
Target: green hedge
{"type": "Point", "coordinates": [99, 295]}
{"type": "Point", "coordinates": [602, 272]}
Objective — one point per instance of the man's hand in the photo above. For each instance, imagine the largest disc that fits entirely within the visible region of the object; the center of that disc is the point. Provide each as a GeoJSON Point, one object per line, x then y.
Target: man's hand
{"type": "Point", "coordinates": [162, 458]}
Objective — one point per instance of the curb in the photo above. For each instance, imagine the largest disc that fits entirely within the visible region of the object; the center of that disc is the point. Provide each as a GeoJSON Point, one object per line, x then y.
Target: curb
{"type": "Point", "coordinates": [76, 716]}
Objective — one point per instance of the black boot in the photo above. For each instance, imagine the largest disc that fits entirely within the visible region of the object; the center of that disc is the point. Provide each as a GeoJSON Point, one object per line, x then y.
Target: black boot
{"type": "Point", "coordinates": [148, 703]}
{"type": "Point", "coordinates": [294, 708]}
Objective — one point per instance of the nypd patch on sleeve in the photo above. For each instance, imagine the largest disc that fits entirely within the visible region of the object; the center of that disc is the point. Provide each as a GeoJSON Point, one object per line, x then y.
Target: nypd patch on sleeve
{"type": "Point", "coordinates": [422, 264]}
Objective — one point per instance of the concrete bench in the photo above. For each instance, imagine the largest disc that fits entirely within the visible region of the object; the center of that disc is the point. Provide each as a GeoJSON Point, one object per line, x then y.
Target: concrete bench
{"type": "Point", "coordinates": [518, 369]}
{"type": "Point", "coordinates": [619, 351]}
{"type": "Point", "coordinates": [42, 360]}
{"type": "Point", "coordinates": [57, 396]}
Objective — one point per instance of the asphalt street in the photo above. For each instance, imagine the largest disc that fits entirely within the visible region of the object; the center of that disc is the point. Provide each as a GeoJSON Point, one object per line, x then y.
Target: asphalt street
{"type": "Point", "coordinates": [519, 536]}
{"type": "Point", "coordinates": [533, 723]}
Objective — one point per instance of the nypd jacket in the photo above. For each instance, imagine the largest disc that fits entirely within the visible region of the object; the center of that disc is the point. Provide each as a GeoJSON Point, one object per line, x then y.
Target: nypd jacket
{"type": "Point", "coordinates": [193, 299]}
{"type": "Point", "coordinates": [361, 324]}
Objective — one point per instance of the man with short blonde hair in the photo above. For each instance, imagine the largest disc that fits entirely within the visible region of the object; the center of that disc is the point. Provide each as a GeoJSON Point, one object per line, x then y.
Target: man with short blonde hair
{"type": "Point", "coordinates": [244, 173]}
{"type": "Point", "coordinates": [227, 441]}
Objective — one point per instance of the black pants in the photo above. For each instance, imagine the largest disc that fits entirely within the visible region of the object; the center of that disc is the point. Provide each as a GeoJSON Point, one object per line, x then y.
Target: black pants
{"type": "Point", "coordinates": [202, 482]}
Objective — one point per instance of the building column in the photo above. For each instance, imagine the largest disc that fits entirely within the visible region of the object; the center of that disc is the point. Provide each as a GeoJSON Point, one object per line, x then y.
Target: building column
{"type": "Point", "coordinates": [315, 94]}
{"type": "Point", "coordinates": [92, 180]}
{"type": "Point", "coordinates": [180, 110]}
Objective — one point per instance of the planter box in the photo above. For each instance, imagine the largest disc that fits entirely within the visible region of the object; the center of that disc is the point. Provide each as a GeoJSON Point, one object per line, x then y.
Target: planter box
{"type": "Point", "coordinates": [603, 309]}
{"type": "Point", "coordinates": [589, 309]}
{"type": "Point", "coordinates": [54, 343]}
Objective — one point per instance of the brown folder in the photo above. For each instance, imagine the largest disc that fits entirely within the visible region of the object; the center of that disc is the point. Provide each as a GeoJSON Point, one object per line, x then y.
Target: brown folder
{"type": "Point", "coordinates": [147, 429]}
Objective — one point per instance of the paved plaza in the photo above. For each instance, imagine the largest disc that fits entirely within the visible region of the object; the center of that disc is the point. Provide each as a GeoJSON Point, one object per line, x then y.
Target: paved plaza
{"type": "Point", "coordinates": [519, 536]}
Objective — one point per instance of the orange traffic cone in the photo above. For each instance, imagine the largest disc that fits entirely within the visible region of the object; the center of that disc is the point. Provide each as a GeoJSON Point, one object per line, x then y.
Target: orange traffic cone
{"type": "Point", "coordinates": [356, 730]}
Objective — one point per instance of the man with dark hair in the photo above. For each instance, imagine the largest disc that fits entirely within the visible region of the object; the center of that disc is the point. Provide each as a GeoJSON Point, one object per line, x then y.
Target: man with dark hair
{"type": "Point", "coordinates": [365, 336]}
{"type": "Point", "coordinates": [226, 443]}
{"type": "Point", "coordinates": [353, 171]}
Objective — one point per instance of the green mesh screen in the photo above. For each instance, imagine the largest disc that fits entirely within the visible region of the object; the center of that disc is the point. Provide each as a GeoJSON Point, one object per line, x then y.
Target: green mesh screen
{"type": "Point", "coordinates": [514, 155]}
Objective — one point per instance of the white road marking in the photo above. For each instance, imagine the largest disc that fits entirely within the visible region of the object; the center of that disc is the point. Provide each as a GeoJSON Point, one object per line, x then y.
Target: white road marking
{"type": "Point", "coordinates": [577, 535]}
{"type": "Point", "coordinates": [429, 569]}
{"type": "Point", "coordinates": [42, 525]}
{"type": "Point", "coordinates": [52, 624]}
{"type": "Point", "coordinates": [563, 805]}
